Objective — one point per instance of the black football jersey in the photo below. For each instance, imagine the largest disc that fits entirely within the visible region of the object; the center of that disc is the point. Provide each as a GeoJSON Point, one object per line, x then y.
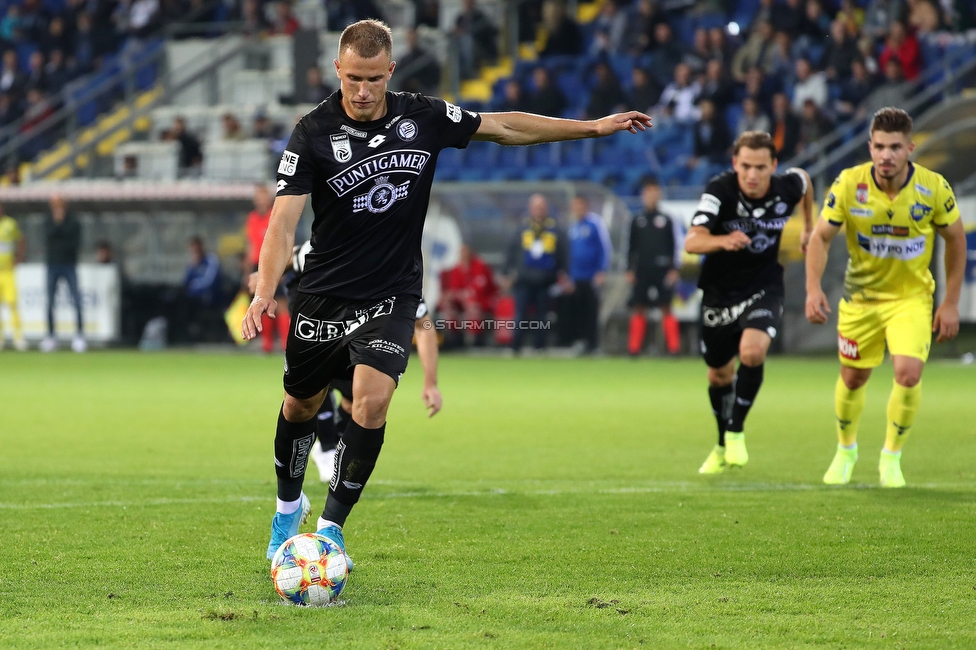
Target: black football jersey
{"type": "Point", "coordinates": [370, 186]}
{"type": "Point", "coordinates": [728, 276]}
{"type": "Point", "coordinates": [653, 244]}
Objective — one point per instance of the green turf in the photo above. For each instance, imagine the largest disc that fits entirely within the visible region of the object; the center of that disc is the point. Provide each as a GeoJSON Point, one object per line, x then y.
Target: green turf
{"type": "Point", "coordinates": [553, 503]}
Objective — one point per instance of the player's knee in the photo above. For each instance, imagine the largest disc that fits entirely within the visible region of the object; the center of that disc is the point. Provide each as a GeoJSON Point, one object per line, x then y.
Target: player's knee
{"type": "Point", "coordinates": [752, 355]}
{"type": "Point", "coordinates": [908, 377]}
{"type": "Point", "coordinates": [718, 377]}
{"type": "Point", "coordinates": [299, 410]}
{"type": "Point", "coordinates": [369, 410]}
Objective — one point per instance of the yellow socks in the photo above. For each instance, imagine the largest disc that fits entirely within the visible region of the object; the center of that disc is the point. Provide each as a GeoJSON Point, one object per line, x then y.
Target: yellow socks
{"type": "Point", "coordinates": [848, 405]}
{"type": "Point", "coordinates": [902, 407]}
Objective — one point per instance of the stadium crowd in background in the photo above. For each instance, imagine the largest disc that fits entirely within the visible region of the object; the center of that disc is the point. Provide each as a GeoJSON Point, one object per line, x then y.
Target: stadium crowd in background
{"type": "Point", "coordinates": [468, 293]}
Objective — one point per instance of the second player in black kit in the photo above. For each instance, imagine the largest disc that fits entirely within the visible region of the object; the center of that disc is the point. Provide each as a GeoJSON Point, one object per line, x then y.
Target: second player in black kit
{"type": "Point", "coordinates": [739, 225]}
{"type": "Point", "coordinates": [367, 157]}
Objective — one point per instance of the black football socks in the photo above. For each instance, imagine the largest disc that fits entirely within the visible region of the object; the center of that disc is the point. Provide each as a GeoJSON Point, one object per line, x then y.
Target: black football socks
{"type": "Point", "coordinates": [721, 398]}
{"type": "Point", "coordinates": [356, 457]}
{"type": "Point", "coordinates": [747, 382]}
{"type": "Point", "coordinates": [293, 441]}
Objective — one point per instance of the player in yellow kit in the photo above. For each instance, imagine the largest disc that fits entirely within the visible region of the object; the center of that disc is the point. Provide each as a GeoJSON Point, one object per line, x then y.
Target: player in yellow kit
{"type": "Point", "coordinates": [12, 247]}
{"type": "Point", "coordinates": [891, 209]}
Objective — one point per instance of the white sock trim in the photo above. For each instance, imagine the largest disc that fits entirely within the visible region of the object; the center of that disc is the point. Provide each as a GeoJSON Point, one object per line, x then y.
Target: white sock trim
{"type": "Point", "coordinates": [892, 454]}
{"type": "Point", "coordinates": [288, 507]}
{"type": "Point", "coordinates": [852, 447]}
{"type": "Point", "coordinates": [325, 523]}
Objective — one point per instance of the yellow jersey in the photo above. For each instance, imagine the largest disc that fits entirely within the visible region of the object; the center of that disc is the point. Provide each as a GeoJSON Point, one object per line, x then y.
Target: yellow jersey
{"type": "Point", "coordinates": [9, 236]}
{"type": "Point", "coordinates": [889, 240]}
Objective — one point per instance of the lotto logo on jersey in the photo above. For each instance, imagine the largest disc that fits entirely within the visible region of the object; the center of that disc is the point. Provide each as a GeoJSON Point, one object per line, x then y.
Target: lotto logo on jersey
{"type": "Point", "coordinates": [848, 348]}
{"type": "Point", "coordinates": [288, 164]}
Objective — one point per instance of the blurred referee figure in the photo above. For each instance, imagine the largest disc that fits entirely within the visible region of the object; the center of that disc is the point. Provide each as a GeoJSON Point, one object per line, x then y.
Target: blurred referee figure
{"type": "Point", "coordinates": [367, 157]}
{"type": "Point", "coordinates": [62, 233]}
{"type": "Point", "coordinates": [653, 260]}
{"type": "Point", "coordinates": [590, 253]}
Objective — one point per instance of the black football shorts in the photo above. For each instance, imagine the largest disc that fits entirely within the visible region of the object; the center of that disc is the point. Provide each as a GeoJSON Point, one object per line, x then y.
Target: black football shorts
{"type": "Point", "coordinates": [651, 289]}
{"type": "Point", "coordinates": [330, 336]}
{"type": "Point", "coordinates": [722, 326]}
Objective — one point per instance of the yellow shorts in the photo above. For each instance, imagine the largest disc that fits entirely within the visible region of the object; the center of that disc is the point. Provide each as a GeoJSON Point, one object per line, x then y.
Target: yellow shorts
{"type": "Point", "coordinates": [863, 328]}
{"type": "Point", "coordinates": [8, 288]}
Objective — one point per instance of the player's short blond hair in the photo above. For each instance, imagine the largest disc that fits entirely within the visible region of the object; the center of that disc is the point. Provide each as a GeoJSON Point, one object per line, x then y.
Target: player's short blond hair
{"type": "Point", "coordinates": [891, 120]}
{"type": "Point", "coordinates": [367, 38]}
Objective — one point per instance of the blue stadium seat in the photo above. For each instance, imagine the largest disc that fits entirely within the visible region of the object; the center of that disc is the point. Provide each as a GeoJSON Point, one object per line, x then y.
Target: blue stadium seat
{"type": "Point", "coordinates": [24, 51]}
{"type": "Point", "coordinates": [576, 152]}
{"type": "Point", "coordinates": [732, 116]}
{"type": "Point", "coordinates": [509, 157]}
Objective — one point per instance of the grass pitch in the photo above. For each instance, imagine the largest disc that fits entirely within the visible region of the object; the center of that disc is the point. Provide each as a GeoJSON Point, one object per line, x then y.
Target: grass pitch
{"type": "Point", "coordinates": [553, 503]}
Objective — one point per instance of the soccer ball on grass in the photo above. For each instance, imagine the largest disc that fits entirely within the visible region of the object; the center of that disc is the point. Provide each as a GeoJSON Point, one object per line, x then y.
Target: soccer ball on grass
{"type": "Point", "coordinates": [309, 569]}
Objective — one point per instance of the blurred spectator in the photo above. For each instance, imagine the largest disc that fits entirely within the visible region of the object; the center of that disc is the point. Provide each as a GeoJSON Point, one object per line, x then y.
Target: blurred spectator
{"type": "Point", "coordinates": [764, 14]}
{"type": "Point", "coordinates": [682, 93]}
{"type": "Point", "coordinates": [565, 36]}
{"type": "Point", "coordinates": [809, 85]}
{"type": "Point", "coordinates": [855, 91]}
{"type": "Point", "coordinates": [878, 17]}
{"type": "Point", "coordinates": [641, 19]}
{"type": "Point", "coordinates": [33, 20]}
{"type": "Point", "coordinates": [253, 18]}
{"type": "Point", "coordinates": [136, 18]}
{"type": "Point", "coordinates": [788, 17]}
{"type": "Point", "coordinates": [893, 92]}
{"type": "Point", "coordinates": [477, 39]}
{"type": "Point", "coordinates": [782, 63]}
{"type": "Point", "coordinates": [418, 69]}
{"type": "Point", "coordinates": [644, 91]}
{"type": "Point", "coordinates": [342, 13]}
{"type": "Point", "coordinates": [786, 128]}
{"type": "Point", "coordinates": [284, 22]}
{"type": "Point", "coordinates": [62, 236]}
{"type": "Point", "coordinates": [36, 110]}
{"type": "Point", "coordinates": [513, 100]}
{"type": "Point", "coordinates": [866, 47]}
{"type": "Point", "coordinates": [924, 16]}
{"type": "Point", "coordinates": [717, 88]}
{"type": "Point", "coordinates": [757, 87]}
{"type": "Point", "coordinates": [816, 24]}
{"type": "Point", "coordinates": [758, 51]}
{"type": "Point", "coordinates": [840, 53]}
{"type": "Point", "coordinates": [814, 125]}
{"type": "Point", "coordinates": [8, 110]}
{"type": "Point", "coordinates": [899, 45]}
{"type": "Point", "coordinates": [534, 263]}
{"type": "Point", "coordinates": [606, 96]}
{"type": "Point", "coordinates": [56, 71]}
{"type": "Point", "coordinates": [698, 56]}
{"type": "Point", "coordinates": [612, 23]}
{"type": "Point", "coordinates": [720, 48]}
{"type": "Point", "coordinates": [263, 127]}
{"type": "Point", "coordinates": [11, 79]}
{"type": "Point", "coordinates": [201, 282]}
{"type": "Point", "coordinates": [590, 254]}
{"type": "Point", "coordinates": [104, 253]}
{"type": "Point", "coordinates": [667, 52]}
{"type": "Point", "coordinates": [468, 292]}
{"type": "Point", "coordinates": [852, 16]}
{"type": "Point", "coordinates": [191, 155]}
{"type": "Point", "coordinates": [753, 118]}
{"type": "Point", "coordinates": [653, 260]}
{"type": "Point", "coordinates": [231, 126]}
{"type": "Point", "coordinates": [547, 99]}
{"type": "Point", "coordinates": [427, 13]}
{"type": "Point", "coordinates": [712, 137]}
{"type": "Point", "coordinates": [316, 90]}
{"type": "Point", "coordinates": [10, 25]}
{"type": "Point", "coordinates": [36, 74]}
{"type": "Point", "coordinates": [256, 225]}
{"type": "Point", "coordinates": [56, 37]}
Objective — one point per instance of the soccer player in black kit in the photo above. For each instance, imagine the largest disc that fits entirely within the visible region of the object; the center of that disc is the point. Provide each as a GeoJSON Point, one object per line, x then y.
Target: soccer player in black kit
{"type": "Point", "coordinates": [738, 226]}
{"type": "Point", "coordinates": [367, 158]}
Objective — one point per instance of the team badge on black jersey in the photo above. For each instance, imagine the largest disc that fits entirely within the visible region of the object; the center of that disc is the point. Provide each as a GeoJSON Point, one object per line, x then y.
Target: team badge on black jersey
{"type": "Point", "coordinates": [341, 147]}
{"type": "Point", "coordinates": [407, 130]}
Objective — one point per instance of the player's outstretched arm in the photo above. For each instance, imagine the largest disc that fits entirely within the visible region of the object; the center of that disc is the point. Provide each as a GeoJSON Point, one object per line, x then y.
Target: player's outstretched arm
{"type": "Point", "coordinates": [946, 321]}
{"type": "Point", "coordinates": [527, 128]}
{"type": "Point", "coordinates": [276, 251]}
{"type": "Point", "coordinates": [700, 241]}
{"type": "Point", "coordinates": [806, 209]}
{"type": "Point", "coordinates": [427, 351]}
{"type": "Point", "coordinates": [817, 307]}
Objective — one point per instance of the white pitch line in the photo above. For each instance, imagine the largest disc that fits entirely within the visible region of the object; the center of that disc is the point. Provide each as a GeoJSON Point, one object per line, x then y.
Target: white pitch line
{"type": "Point", "coordinates": [128, 504]}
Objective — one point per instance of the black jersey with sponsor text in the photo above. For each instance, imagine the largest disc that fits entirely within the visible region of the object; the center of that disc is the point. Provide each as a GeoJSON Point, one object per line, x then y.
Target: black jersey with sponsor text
{"type": "Point", "coordinates": [729, 276]}
{"type": "Point", "coordinates": [370, 185]}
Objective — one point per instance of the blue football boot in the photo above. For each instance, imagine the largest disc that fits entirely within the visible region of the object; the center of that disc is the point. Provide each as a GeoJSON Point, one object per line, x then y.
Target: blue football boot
{"type": "Point", "coordinates": [334, 533]}
{"type": "Point", "coordinates": [284, 527]}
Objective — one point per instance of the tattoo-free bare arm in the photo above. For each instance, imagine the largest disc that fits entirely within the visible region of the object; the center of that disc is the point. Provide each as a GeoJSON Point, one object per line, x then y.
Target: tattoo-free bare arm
{"type": "Point", "coordinates": [514, 128]}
